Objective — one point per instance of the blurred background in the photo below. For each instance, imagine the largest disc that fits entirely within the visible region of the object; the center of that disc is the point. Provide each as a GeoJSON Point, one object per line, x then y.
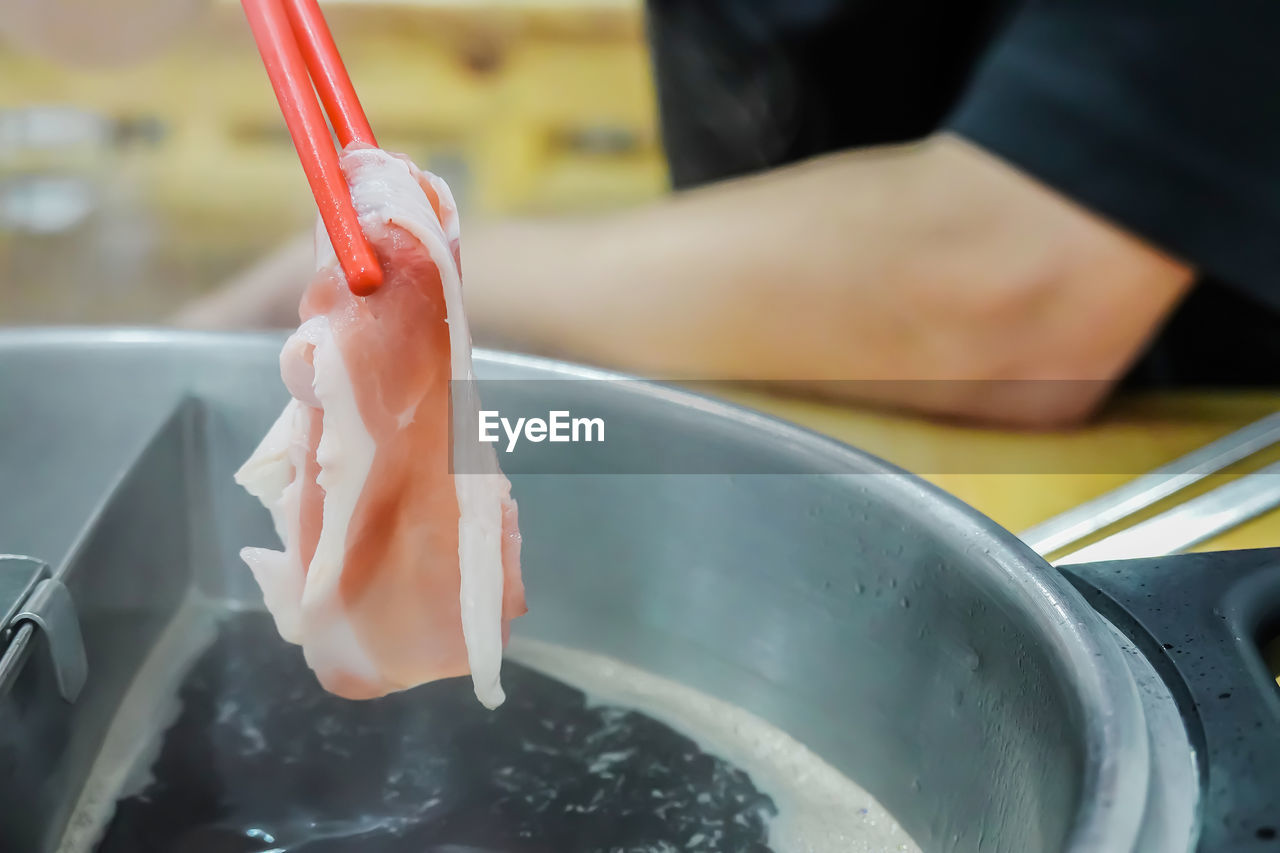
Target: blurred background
{"type": "Point", "coordinates": [127, 188]}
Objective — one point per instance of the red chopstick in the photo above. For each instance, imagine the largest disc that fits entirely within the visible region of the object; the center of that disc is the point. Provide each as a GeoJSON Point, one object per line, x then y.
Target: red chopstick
{"type": "Point", "coordinates": [328, 73]}
{"type": "Point", "coordinates": [278, 42]}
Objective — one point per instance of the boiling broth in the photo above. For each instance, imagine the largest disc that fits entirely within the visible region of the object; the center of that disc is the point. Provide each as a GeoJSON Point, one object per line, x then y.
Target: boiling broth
{"type": "Point", "coordinates": [249, 755]}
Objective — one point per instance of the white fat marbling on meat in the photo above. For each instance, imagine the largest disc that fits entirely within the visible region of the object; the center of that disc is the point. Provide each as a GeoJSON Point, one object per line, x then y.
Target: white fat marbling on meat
{"type": "Point", "coordinates": [345, 455]}
{"type": "Point", "coordinates": [296, 361]}
{"type": "Point", "coordinates": [269, 471]}
{"type": "Point", "coordinates": [273, 474]}
{"type": "Point", "coordinates": [385, 190]}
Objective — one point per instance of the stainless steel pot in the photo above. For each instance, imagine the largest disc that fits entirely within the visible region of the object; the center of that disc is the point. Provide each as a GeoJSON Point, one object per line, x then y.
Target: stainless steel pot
{"type": "Point", "coordinates": [912, 642]}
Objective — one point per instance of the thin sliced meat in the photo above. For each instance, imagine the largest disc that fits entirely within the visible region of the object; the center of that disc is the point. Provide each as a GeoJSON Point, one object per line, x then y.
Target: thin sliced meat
{"type": "Point", "coordinates": [401, 560]}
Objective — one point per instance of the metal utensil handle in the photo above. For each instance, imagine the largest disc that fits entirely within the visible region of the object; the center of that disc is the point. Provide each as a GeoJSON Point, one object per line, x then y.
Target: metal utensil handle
{"type": "Point", "coordinates": [1188, 524]}
{"type": "Point", "coordinates": [1090, 517]}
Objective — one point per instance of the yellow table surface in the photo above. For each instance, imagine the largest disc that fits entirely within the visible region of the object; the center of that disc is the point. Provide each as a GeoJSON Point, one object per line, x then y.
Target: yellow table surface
{"type": "Point", "coordinates": [1133, 435]}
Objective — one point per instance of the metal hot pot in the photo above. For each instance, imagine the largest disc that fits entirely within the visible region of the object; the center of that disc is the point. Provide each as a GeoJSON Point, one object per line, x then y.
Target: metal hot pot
{"type": "Point", "coordinates": [987, 699]}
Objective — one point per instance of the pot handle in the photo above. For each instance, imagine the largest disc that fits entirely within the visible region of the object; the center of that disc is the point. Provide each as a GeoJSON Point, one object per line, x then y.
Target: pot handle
{"type": "Point", "coordinates": [1203, 620]}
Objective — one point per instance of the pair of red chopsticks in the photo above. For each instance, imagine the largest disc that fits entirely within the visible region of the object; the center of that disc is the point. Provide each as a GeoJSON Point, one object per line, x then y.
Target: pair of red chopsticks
{"type": "Point", "coordinates": [298, 50]}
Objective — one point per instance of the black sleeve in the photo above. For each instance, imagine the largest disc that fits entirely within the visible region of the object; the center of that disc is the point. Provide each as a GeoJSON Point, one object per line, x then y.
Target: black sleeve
{"type": "Point", "coordinates": [1160, 115]}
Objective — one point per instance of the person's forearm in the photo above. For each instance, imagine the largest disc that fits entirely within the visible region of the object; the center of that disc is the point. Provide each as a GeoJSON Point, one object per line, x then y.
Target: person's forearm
{"type": "Point", "coordinates": [928, 262]}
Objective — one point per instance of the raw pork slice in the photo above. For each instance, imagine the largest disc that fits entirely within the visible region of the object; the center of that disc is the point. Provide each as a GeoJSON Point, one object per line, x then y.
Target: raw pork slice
{"type": "Point", "coordinates": [398, 568]}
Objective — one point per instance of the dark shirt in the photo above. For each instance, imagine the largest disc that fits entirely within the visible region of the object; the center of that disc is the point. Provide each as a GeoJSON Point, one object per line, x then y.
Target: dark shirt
{"type": "Point", "coordinates": [1162, 116]}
